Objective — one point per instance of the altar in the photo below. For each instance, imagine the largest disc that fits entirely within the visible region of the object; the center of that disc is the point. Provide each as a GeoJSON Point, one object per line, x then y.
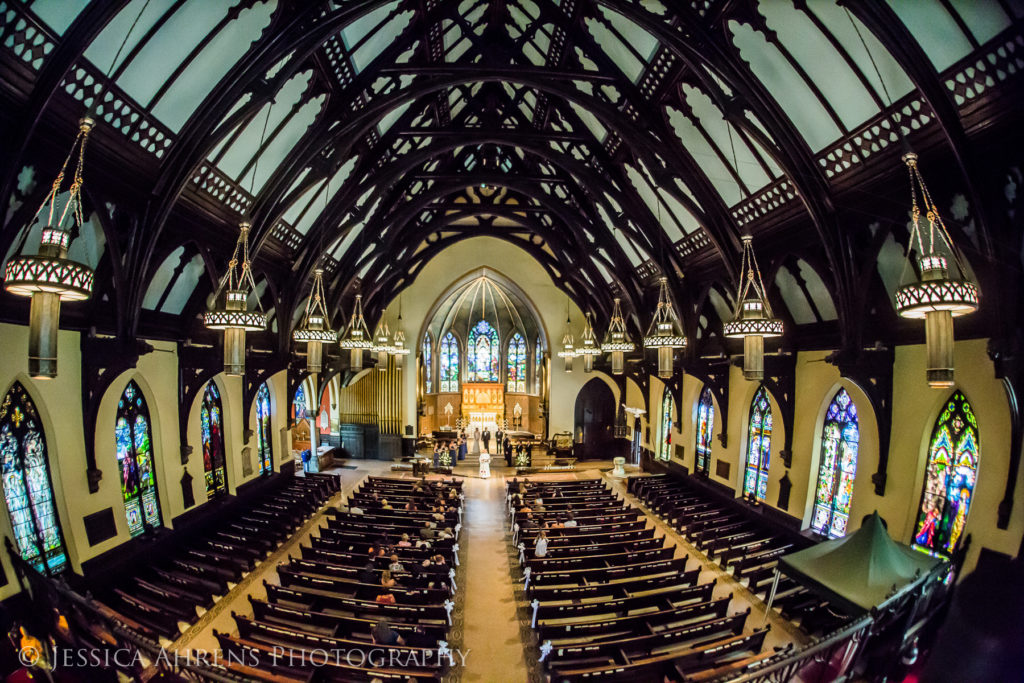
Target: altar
{"type": "Point", "coordinates": [483, 404]}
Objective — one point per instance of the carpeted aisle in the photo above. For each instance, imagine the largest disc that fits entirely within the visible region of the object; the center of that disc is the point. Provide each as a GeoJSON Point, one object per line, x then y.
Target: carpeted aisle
{"type": "Point", "coordinates": [491, 637]}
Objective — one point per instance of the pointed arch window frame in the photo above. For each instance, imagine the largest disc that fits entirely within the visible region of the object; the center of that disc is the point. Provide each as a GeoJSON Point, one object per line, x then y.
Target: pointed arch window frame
{"type": "Point", "coordinates": [449, 356]}
{"type": "Point", "coordinates": [214, 447]}
{"type": "Point", "coordinates": [17, 409]}
{"type": "Point", "coordinates": [837, 466]}
{"type": "Point", "coordinates": [264, 433]}
{"type": "Point", "coordinates": [940, 533]}
{"type": "Point", "coordinates": [668, 419]}
{"type": "Point", "coordinates": [428, 361]}
{"type": "Point", "coordinates": [705, 431]}
{"type": "Point", "coordinates": [483, 353]}
{"type": "Point", "coordinates": [759, 443]}
{"type": "Point", "coordinates": [145, 499]}
{"type": "Point", "coordinates": [515, 364]}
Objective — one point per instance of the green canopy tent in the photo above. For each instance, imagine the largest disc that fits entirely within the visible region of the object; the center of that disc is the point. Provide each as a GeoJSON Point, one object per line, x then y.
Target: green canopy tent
{"type": "Point", "coordinates": [857, 572]}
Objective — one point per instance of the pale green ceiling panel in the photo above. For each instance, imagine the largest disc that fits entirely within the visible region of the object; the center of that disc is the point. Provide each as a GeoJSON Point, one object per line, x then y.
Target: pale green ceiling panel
{"type": "Point", "coordinates": [818, 290]}
{"type": "Point", "coordinates": [713, 123]}
{"type": "Point", "coordinates": [381, 39]}
{"type": "Point", "coordinates": [58, 14]}
{"type": "Point", "coordinates": [247, 144]}
{"type": "Point", "coordinates": [848, 31]}
{"type": "Point", "coordinates": [285, 140]}
{"type": "Point", "coordinates": [165, 51]}
{"type": "Point", "coordinates": [358, 29]}
{"type": "Point", "coordinates": [211, 65]}
{"type": "Point", "coordinates": [102, 50]}
{"type": "Point", "coordinates": [682, 215]}
{"type": "Point", "coordinates": [788, 88]}
{"type": "Point", "coordinates": [392, 116]}
{"type": "Point", "coordinates": [985, 18]}
{"type": "Point", "coordinates": [161, 279]}
{"type": "Point", "coordinates": [639, 40]}
{"type": "Point", "coordinates": [619, 53]}
{"type": "Point", "coordinates": [820, 61]}
{"type": "Point", "coordinates": [934, 29]}
{"type": "Point", "coordinates": [90, 244]}
{"type": "Point", "coordinates": [892, 265]}
{"type": "Point", "coordinates": [184, 286]}
{"type": "Point", "coordinates": [658, 211]}
{"type": "Point", "coordinates": [793, 297]}
{"type": "Point", "coordinates": [704, 156]}
{"type": "Point", "coordinates": [591, 122]}
{"type": "Point", "coordinates": [721, 306]}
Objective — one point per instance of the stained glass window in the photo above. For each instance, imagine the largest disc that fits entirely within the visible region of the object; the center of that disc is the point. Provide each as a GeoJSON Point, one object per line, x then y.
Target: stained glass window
{"type": "Point", "coordinates": [299, 404]}
{"type": "Point", "coordinates": [27, 487]}
{"type": "Point", "coordinates": [448, 361]}
{"type": "Point", "coordinates": [668, 412]}
{"type": "Point", "coordinates": [212, 425]}
{"type": "Point", "coordinates": [264, 441]}
{"type": "Point", "coordinates": [705, 429]}
{"type": "Point", "coordinates": [482, 354]}
{"type": "Point", "coordinates": [516, 363]}
{"type": "Point", "coordinates": [839, 438]}
{"type": "Point", "coordinates": [428, 370]}
{"type": "Point", "coordinates": [949, 479]}
{"type": "Point", "coordinates": [759, 443]}
{"type": "Point", "coordinates": [538, 363]}
{"type": "Point", "coordinates": [134, 440]}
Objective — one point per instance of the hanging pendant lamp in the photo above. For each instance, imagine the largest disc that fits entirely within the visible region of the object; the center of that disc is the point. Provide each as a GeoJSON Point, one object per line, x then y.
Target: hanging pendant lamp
{"type": "Point", "coordinates": [665, 333]}
{"type": "Point", "coordinates": [752, 317]}
{"type": "Point", "coordinates": [568, 351]}
{"type": "Point", "coordinates": [382, 344]}
{"type": "Point", "coordinates": [616, 341]}
{"type": "Point", "coordinates": [315, 330]}
{"type": "Point", "coordinates": [589, 348]}
{"type": "Point", "coordinates": [49, 277]}
{"type": "Point", "coordinates": [398, 341]}
{"type": "Point", "coordinates": [937, 297]}
{"type": "Point", "coordinates": [357, 337]}
{"type": "Point", "coordinates": [233, 315]}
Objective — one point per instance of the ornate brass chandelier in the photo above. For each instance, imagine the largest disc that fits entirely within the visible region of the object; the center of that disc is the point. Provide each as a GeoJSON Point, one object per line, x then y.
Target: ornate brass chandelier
{"type": "Point", "coordinates": [315, 330]}
{"type": "Point", "coordinates": [232, 315]}
{"type": "Point", "coordinates": [382, 344]}
{"type": "Point", "coordinates": [665, 333]}
{"type": "Point", "coordinates": [617, 341]}
{"type": "Point", "coordinates": [937, 297]}
{"type": "Point", "coordinates": [356, 337]}
{"type": "Point", "coordinates": [752, 317]}
{"type": "Point", "coordinates": [50, 277]}
{"type": "Point", "coordinates": [568, 351]}
{"type": "Point", "coordinates": [589, 348]}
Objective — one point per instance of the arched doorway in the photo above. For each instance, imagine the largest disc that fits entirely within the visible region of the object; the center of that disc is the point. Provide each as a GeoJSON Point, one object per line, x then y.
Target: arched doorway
{"type": "Point", "coordinates": [595, 418]}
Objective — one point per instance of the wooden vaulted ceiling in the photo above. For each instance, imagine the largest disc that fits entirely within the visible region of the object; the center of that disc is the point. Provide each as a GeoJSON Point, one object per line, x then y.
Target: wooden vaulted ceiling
{"type": "Point", "coordinates": [614, 140]}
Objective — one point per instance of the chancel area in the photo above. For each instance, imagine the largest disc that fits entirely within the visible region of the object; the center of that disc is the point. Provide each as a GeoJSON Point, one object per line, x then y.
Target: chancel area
{"type": "Point", "coordinates": [511, 340]}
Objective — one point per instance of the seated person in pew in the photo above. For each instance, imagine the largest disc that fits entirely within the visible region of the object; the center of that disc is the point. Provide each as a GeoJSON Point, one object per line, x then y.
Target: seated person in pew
{"type": "Point", "coordinates": [386, 599]}
{"type": "Point", "coordinates": [385, 505]}
{"type": "Point", "coordinates": [445, 534]}
{"type": "Point", "coordinates": [396, 567]}
{"type": "Point", "coordinates": [368, 574]}
{"type": "Point", "coordinates": [404, 542]}
{"type": "Point", "coordinates": [387, 580]}
{"type": "Point", "coordinates": [383, 634]}
{"type": "Point", "coordinates": [570, 520]}
{"type": "Point", "coordinates": [557, 524]}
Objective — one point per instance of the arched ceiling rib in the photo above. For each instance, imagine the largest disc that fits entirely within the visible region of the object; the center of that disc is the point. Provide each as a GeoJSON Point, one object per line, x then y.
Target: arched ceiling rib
{"type": "Point", "coordinates": [625, 138]}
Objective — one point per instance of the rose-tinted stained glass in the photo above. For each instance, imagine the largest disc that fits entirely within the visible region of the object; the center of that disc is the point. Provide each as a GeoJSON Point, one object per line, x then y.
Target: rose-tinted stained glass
{"type": "Point", "coordinates": [949, 481]}
{"type": "Point", "coordinates": [212, 427]}
{"type": "Point", "coordinates": [134, 441]}
{"type": "Point", "coordinates": [516, 364]}
{"type": "Point", "coordinates": [27, 487]}
{"type": "Point", "coordinates": [840, 436]}
{"type": "Point", "coordinates": [755, 476]}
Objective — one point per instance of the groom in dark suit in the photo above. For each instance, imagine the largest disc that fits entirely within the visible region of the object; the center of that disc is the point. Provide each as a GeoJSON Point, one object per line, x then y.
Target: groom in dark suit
{"type": "Point", "coordinates": [497, 440]}
{"type": "Point", "coordinates": [486, 436]}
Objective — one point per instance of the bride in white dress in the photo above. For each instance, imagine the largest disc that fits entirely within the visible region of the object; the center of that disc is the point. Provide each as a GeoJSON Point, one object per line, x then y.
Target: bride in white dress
{"type": "Point", "coordinates": [485, 465]}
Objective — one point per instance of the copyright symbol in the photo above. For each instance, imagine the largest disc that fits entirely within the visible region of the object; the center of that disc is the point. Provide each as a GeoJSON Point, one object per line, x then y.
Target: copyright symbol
{"type": "Point", "coordinates": [28, 656]}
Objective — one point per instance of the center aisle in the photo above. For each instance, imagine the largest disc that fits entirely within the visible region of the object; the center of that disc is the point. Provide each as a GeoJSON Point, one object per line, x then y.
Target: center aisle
{"type": "Point", "coordinates": [491, 640]}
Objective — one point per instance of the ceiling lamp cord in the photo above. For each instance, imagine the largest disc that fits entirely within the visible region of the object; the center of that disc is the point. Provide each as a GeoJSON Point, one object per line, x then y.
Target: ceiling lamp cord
{"type": "Point", "coordinates": [937, 295]}
{"type": "Point", "coordinates": [235, 318]}
{"type": "Point", "coordinates": [568, 351]}
{"type": "Point", "coordinates": [50, 277]}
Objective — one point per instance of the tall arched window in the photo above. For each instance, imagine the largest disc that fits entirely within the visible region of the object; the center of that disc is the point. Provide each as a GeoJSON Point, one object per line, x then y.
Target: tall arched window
{"type": "Point", "coordinates": [299, 408]}
{"type": "Point", "coordinates": [27, 487]}
{"type": "Point", "coordinates": [482, 354]}
{"type": "Point", "coordinates": [211, 419]}
{"type": "Point", "coordinates": [448, 362]}
{"type": "Point", "coordinates": [538, 363]}
{"type": "Point", "coordinates": [264, 441]}
{"type": "Point", "coordinates": [759, 443]}
{"type": "Point", "coordinates": [839, 438]}
{"type": "Point", "coordinates": [516, 363]}
{"type": "Point", "coordinates": [668, 413]}
{"type": "Point", "coordinates": [135, 457]}
{"type": "Point", "coordinates": [428, 357]}
{"type": "Point", "coordinates": [705, 428]}
{"type": "Point", "coordinates": [949, 479]}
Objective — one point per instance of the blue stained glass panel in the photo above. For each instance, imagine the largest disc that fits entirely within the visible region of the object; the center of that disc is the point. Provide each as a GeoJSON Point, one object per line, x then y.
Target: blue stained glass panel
{"type": "Point", "coordinates": [516, 364]}
{"type": "Point", "coordinates": [133, 438]}
{"type": "Point", "coordinates": [837, 468]}
{"type": "Point", "coordinates": [448, 361]}
{"type": "Point", "coordinates": [264, 441]}
{"type": "Point", "coordinates": [759, 432]}
{"type": "Point", "coordinates": [483, 353]}
{"type": "Point", "coordinates": [705, 428]}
